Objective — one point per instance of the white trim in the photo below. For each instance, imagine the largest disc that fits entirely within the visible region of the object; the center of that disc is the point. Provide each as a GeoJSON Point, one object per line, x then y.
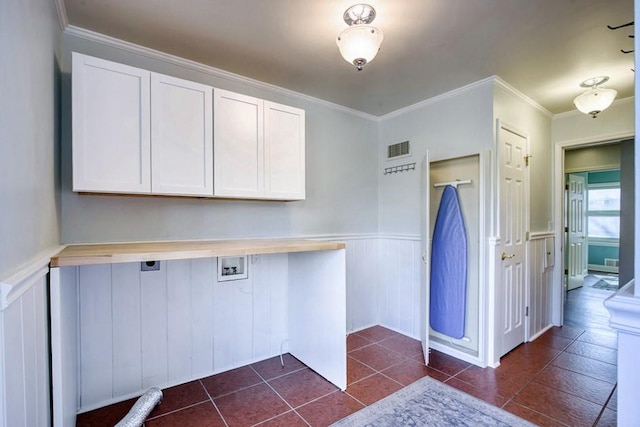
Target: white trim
{"type": "Point", "coordinates": [438, 98]}
{"type": "Point", "coordinates": [524, 98]}
{"type": "Point", "coordinates": [196, 66]}
{"type": "Point", "coordinates": [603, 241]}
{"type": "Point", "coordinates": [539, 235]}
{"type": "Point", "coordinates": [413, 237]}
{"type": "Point", "coordinates": [601, 139]}
{"type": "Point", "coordinates": [355, 236]}
{"type": "Point", "coordinates": [539, 334]}
{"type": "Point", "coordinates": [15, 286]}
{"type": "Point", "coordinates": [572, 113]}
{"type": "Point", "coordinates": [598, 168]}
{"type": "Point", "coordinates": [458, 354]}
{"type": "Point", "coordinates": [62, 14]}
{"type": "Point", "coordinates": [3, 387]}
{"type": "Point", "coordinates": [625, 310]}
{"type": "Point", "coordinates": [602, 268]}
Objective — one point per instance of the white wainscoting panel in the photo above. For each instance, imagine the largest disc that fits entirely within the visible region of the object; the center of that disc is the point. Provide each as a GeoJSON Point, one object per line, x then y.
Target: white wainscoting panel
{"type": "Point", "coordinates": [160, 328]}
{"type": "Point", "coordinates": [362, 283]}
{"type": "Point", "coordinates": [540, 284]}
{"type": "Point", "coordinates": [399, 288]}
{"type": "Point", "coordinates": [24, 356]}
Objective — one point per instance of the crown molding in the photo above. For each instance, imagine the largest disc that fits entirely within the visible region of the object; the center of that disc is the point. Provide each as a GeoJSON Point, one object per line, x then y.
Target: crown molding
{"type": "Point", "coordinates": [573, 113]}
{"type": "Point", "coordinates": [62, 14]}
{"type": "Point", "coordinates": [438, 98]}
{"type": "Point", "coordinates": [206, 69]}
{"type": "Point", "coordinates": [524, 98]}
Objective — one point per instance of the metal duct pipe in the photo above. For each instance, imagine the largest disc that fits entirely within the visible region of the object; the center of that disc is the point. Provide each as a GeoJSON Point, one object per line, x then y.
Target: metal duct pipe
{"type": "Point", "coordinates": [141, 409]}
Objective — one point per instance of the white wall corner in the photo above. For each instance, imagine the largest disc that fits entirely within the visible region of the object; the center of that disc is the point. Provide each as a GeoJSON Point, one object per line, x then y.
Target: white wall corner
{"type": "Point", "coordinates": [524, 98]}
{"type": "Point", "coordinates": [441, 97]}
{"type": "Point", "coordinates": [62, 14]}
{"type": "Point", "coordinates": [624, 308]}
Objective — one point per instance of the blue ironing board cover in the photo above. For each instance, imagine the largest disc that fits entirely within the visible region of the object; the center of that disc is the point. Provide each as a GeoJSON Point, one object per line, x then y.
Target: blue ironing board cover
{"type": "Point", "coordinates": [448, 291]}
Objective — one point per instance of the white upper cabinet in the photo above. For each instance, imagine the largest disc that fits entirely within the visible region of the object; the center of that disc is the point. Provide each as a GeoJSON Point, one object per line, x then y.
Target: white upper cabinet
{"type": "Point", "coordinates": [259, 148]}
{"type": "Point", "coordinates": [238, 145]}
{"type": "Point", "coordinates": [140, 132]}
{"type": "Point", "coordinates": [284, 142]}
{"type": "Point", "coordinates": [182, 137]}
{"type": "Point", "coordinates": [111, 134]}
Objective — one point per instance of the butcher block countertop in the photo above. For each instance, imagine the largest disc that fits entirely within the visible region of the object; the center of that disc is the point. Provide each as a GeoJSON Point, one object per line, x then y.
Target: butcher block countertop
{"type": "Point", "coordinates": [109, 253]}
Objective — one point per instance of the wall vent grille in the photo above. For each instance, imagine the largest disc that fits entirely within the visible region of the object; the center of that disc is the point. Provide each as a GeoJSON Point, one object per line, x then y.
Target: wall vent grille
{"type": "Point", "coordinates": [610, 262]}
{"type": "Point", "coordinates": [401, 149]}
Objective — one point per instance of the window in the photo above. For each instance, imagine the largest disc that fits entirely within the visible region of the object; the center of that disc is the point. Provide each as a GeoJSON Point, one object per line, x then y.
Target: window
{"type": "Point", "coordinates": [603, 211]}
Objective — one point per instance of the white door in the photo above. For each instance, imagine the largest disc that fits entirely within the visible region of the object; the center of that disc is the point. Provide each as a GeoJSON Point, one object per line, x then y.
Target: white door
{"type": "Point", "coordinates": [284, 146]}
{"type": "Point", "coordinates": [576, 232]}
{"type": "Point", "coordinates": [111, 126]}
{"type": "Point", "coordinates": [426, 257]}
{"type": "Point", "coordinates": [182, 135]}
{"type": "Point", "coordinates": [512, 226]}
{"type": "Point", "coordinates": [238, 136]}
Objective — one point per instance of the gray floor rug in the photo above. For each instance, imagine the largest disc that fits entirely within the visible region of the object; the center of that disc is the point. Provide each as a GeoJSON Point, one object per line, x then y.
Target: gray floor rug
{"type": "Point", "coordinates": [603, 284]}
{"type": "Point", "coordinates": [607, 282]}
{"type": "Point", "coordinates": [428, 402]}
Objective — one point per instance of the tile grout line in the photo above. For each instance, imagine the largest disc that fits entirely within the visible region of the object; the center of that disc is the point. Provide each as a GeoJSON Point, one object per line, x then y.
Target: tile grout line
{"type": "Point", "coordinates": [278, 394]}
{"type": "Point", "coordinates": [550, 363]}
{"type": "Point", "coordinates": [214, 403]}
{"type": "Point", "coordinates": [191, 405]}
{"type": "Point", "coordinates": [604, 407]}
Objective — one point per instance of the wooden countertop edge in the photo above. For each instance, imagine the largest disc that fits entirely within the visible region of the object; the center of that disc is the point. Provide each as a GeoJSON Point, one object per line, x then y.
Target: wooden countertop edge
{"type": "Point", "coordinates": [109, 253]}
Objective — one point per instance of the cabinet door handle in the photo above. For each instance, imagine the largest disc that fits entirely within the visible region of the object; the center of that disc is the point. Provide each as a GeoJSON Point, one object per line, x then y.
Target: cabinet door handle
{"type": "Point", "coordinates": [505, 256]}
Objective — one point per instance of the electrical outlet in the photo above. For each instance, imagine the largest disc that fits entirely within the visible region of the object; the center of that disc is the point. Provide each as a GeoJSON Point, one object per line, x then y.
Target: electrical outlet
{"type": "Point", "coordinates": [150, 266]}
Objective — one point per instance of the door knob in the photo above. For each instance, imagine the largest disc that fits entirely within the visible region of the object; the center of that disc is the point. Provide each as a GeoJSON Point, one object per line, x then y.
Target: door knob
{"type": "Point", "coordinates": [505, 256]}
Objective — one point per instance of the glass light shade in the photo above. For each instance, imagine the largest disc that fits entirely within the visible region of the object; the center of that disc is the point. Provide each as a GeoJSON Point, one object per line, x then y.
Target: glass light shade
{"type": "Point", "coordinates": [593, 101]}
{"type": "Point", "coordinates": [359, 44]}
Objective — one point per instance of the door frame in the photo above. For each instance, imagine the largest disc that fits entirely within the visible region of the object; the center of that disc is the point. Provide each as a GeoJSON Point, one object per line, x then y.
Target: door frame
{"type": "Point", "coordinates": [559, 147]}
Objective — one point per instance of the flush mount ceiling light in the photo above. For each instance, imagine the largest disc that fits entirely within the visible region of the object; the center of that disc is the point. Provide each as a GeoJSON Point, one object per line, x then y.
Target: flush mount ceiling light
{"type": "Point", "coordinates": [595, 99]}
{"type": "Point", "coordinates": [359, 43]}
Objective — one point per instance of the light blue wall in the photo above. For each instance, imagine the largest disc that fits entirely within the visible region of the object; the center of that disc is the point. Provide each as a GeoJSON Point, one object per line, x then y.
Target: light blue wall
{"type": "Point", "coordinates": [456, 125]}
{"type": "Point", "coordinates": [341, 176]}
{"type": "Point", "coordinates": [29, 84]}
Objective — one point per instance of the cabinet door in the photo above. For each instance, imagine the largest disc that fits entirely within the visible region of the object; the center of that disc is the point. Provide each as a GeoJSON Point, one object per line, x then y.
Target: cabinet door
{"type": "Point", "coordinates": [284, 143]}
{"type": "Point", "coordinates": [111, 122]}
{"type": "Point", "coordinates": [238, 145]}
{"type": "Point", "coordinates": [182, 137]}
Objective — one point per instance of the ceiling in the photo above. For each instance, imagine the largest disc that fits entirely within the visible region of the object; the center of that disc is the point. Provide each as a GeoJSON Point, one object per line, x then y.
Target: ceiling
{"type": "Point", "coordinates": [543, 48]}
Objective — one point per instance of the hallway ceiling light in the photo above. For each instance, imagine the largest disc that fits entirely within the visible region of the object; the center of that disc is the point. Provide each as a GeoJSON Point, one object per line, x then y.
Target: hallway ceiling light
{"type": "Point", "coordinates": [359, 43]}
{"type": "Point", "coordinates": [595, 99]}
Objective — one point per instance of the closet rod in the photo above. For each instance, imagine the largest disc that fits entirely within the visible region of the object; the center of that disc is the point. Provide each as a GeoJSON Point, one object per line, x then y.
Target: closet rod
{"type": "Point", "coordinates": [452, 183]}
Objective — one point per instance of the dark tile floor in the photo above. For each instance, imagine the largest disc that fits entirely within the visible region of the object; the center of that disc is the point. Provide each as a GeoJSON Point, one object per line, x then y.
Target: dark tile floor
{"type": "Point", "coordinates": [565, 377]}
